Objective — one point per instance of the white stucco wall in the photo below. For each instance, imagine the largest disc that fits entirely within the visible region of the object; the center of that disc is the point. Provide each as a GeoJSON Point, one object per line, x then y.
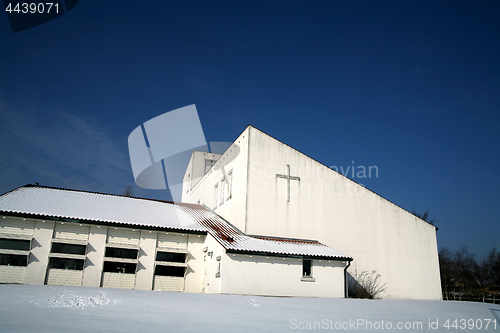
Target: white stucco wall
{"type": "Point", "coordinates": [261, 275]}
{"type": "Point", "coordinates": [212, 281]}
{"type": "Point", "coordinates": [40, 248]}
{"type": "Point", "coordinates": [194, 274]}
{"type": "Point", "coordinates": [146, 260]}
{"type": "Point", "coordinates": [340, 213]}
{"type": "Point", "coordinates": [92, 272]}
{"type": "Point", "coordinates": [233, 160]}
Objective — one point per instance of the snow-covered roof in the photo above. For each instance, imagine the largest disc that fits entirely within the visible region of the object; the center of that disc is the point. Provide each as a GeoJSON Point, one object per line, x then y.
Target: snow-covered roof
{"type": "Point", "coordinates": [91, 206]}
{"type": "Point", "coordinates": [235, 241]}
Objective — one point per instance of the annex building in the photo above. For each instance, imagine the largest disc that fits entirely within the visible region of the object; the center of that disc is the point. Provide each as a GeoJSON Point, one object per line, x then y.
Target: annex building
{"type": "Point", "coordinates": [66, 237]}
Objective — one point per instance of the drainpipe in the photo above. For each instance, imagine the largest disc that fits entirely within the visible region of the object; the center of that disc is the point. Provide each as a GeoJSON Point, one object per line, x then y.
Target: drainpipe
{"type": "Point", "coordinates": [345, 279]}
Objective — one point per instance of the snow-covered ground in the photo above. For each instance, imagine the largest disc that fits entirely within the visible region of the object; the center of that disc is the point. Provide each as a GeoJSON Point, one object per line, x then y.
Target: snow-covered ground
{"type": "Point", "coordinates": [76, 309]}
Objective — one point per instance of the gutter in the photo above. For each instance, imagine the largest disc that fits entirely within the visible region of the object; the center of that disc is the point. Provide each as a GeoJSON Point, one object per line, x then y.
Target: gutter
{"type": "Point", "coordinates": [345, 279]}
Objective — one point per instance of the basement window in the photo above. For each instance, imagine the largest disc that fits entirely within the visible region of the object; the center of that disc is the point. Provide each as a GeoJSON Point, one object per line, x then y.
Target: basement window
{"type": "Point", "coordinates": [115, 252]}
{"type": "Point", "coordinates": [15, 244]}
{"type": "Point", "coordinates": [68, 248]}
{"type": "Point", "coordinates": [66, 263]}
{"type": "Point", "coordinates": [170, 271]}
{"type": "Point", "coordinates": [13, 260]}
{"type": "Point", "coordinates": [171, 257]}
{"type": "Point", "coordinates": [119, 267]}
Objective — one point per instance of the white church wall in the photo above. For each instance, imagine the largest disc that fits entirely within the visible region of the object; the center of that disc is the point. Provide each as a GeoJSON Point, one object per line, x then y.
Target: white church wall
{"type": "Point", "coordinates": [330, 208]}
{"type": "Point", "coordinates": [232, 164]}
{"type": "Point", "coordinates": [268, 275]}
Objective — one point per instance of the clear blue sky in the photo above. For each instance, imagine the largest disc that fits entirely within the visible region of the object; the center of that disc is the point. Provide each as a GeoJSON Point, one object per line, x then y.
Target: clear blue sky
{"type": "Point", "coordinates": [411, 87]}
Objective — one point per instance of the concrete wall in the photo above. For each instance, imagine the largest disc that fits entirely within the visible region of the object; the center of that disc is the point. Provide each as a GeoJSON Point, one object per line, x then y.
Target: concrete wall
{"type": "Point", "coordinates": [233, 160]}
{"type": "Point", "coordinates": [43, 233]}
{"type": "Point", "coordinates": [260, 275]}
{"type": "Point", "coordinates": [40, 248]}
{"type": "Point", "coordinates": [328, 207]}
{"type": "Point", "coordinates": [92, 271]}
{"type": "Point", "coordinates": [195, 269]}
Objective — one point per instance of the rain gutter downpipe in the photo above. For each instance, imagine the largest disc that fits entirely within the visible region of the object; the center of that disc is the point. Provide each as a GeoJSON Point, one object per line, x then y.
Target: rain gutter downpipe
{"type": "Point", "coordinates": [345, 279]}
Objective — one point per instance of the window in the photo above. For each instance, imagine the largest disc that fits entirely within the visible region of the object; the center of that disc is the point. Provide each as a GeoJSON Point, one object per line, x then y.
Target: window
{"type": "Point", "coordinates": [119, 267]}
{"type": "Point", "coordinates": [170, 271]}
{"type": "Point", "coordinates": [208, 165]}
{"type": "Point", "coordinates": [307, 268]}
{"type": "Point", "coordinates": [222, 187]}
{"type": "Point", "coordinates": [115, 252]}
{"type": "Point", "coordinates": [68, 248]}
{"type": "Point", "coordinates": [14, 244]}
{"type": "Point", "coordinates": [229, 185]}
{"type": "Point", "coordinates": [65, 263]}
{"type": "Point", "coordinates": [13, 260]}
{"type": "Point", "coordinates": [216, 193]}
{"type": "Point", "coordinates": [171, 257]}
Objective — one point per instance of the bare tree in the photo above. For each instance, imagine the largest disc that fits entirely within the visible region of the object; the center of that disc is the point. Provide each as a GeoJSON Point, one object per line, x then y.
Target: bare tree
{"type": "Point", "coordinates": [365, 285]}
{"type": "Point", "coordinates": [129, 191]}
{"type": "Point", "coordinates": [424, 216]}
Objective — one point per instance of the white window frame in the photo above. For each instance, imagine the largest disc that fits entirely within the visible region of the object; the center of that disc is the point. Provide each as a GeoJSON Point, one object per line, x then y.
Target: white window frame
{"type": "Point", "coordinates": [222, 187]}
{"type": "Point", "coordinates": [216, 194]}
{"type": "Point", "coordinates": [229, 184]}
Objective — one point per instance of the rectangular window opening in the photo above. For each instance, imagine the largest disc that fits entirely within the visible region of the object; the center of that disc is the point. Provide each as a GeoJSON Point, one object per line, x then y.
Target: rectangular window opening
{"type": "Point", "coordinates": [216, 195]}
{"type": "Point", "coordinates": [229, 184]}
{"type": "Point", "coordinates": [307, 268]}
{"type": "Point", "coordinates": [64, 263]}
{"type": "Point", "coordinates": [170, 271]}
{"type": "Point", "coordinates": [171, 257]}
{"type": "Point", "coordinates": [68, 248]}
{"type": "Point", "coordinates": [119, 267]}
{"type": "Point", "coordinates": [15, 244]}
{"type": "Point", "coordinates": [13, 260]}
{"type": "Point", "coordinates": [115, 252]}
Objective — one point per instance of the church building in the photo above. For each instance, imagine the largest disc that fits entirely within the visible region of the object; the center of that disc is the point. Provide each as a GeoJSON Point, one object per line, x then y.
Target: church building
{"type": "Point", "coordinates": [265, 187]}
{"type": "Point", "coordinates": [260, 219]}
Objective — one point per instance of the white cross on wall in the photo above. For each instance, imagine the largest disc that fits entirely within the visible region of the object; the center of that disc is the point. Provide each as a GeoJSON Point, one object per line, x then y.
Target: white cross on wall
{"type": "Point", "coordinates": [288, 178]}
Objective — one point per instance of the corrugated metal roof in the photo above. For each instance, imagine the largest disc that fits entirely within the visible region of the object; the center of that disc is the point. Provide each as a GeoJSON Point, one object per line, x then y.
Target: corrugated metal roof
{"type": "Point", "coordinates": [92, 206]}
{"type": "Point", "coordinates": [81, 205]}
{"type": "Point", "coordinates": [234, 240]}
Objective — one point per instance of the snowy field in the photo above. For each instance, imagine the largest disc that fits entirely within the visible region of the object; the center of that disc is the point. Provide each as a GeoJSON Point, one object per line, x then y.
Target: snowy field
{"type": "Point", "coordinates": [77, 309]}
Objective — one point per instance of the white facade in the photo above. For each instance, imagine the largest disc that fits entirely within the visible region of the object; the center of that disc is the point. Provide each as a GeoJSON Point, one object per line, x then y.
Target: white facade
{"type": "Point", "coordinates": [49, 259]}
{"type": "Point", "coordinates": [50, 236]}
{"type": "Point", "coordinates": [278, 191]}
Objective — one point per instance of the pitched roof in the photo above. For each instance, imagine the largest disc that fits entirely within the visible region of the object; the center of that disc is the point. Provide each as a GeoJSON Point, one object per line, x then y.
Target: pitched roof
{"type": "Point", "coordinates": [235, 241]}
{"type": "Point", "coordinates": [72, 204]}
{"type": "Point", "coordinates": [91, 206]}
